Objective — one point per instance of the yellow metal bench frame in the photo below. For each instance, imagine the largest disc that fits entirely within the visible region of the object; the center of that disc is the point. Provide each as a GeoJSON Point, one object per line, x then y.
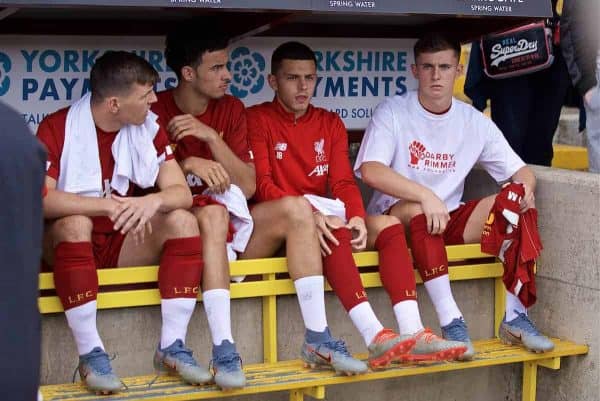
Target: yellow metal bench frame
{"type": "Point", "coordinates": [273, 375]}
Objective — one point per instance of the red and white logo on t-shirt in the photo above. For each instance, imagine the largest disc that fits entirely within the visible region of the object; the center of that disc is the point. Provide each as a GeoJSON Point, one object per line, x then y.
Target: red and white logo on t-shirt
{"type": "Point", "coordinates": [320, 150]}
{"type": "Point", "coordinates": [417, 152]}
{"type": "Point", "coordinates": [423, 159]}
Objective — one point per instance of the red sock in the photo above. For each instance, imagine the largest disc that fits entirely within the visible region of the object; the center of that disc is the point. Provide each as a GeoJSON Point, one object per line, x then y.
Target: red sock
{"type": "Point", "coordinates": [180, 268]}
{"type": "Point", "coordinates": [75, 277]}
{"type": "Point", "coordinates": [429, 251]}
{"type": "Point", "coordinates": [395, 266]}
{"type": "Point", "coordinates": [341, 271]}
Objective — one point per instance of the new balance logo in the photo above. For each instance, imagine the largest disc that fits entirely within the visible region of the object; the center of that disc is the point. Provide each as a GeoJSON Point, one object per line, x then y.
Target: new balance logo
{"type": "Point", "coordinates": [280, 147]}
{"type": "Point", "coordinates": [320, 170]}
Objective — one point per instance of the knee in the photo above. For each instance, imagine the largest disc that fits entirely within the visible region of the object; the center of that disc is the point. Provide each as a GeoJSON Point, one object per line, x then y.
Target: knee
{"type": "Point", "coordinates": [213, 218]}
{"type": "Point", "coordinates": [72, 229]}
{"type": "Point", "coordinates": [406, 211]}
{"type": "Point", "coordinates": [297, 210]}
{"type": "Point", "coordinates": [376, 224]}
{"type": "Point", "coordinates": [413, 210]}
{"type": "Point", "coordinates": [180, 223]}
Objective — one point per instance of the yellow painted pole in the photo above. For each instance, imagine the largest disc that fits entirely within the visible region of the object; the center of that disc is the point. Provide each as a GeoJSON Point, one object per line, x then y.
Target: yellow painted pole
{"type": "Point", "coordinates": [317, 392]}
{"type": "Point", "coordinates": [269, 324]}
{"type": "Point", "coordinates": [529, 381]}
{"type": "Point", "coordinates": [499, 303]}
{"type": "Point", "coordinates": [296, 395]}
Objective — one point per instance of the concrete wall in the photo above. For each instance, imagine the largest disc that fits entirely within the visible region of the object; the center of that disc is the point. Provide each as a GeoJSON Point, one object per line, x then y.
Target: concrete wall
{"type": "Point", "coordinates": [569, 300]}
{"type": "Point", "coordinates": [569, 279]}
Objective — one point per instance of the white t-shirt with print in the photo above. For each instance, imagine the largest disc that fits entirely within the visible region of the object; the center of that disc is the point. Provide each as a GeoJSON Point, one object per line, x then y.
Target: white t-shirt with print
{"type": "Point", "coordinates": [436, 151]}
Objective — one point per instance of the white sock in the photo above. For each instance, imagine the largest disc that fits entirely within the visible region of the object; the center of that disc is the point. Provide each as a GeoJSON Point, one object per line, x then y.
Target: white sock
{"type": "Point", "coordinates": [311, 297]}
{"type": "Point", "coordinates": [365, 321]}
{"type": "Point", "coordinates": [513, 303]}
{"type": "Point", "coordinates": [82, 321]}
{"type": "Point", "coordinates": [217, 305]}
{"type": "Point", "coordinates": [408, 317]}
{"type": "Point", "coordinates": [441, 296]}
{"type": "Point", "coordinates": [176, 314]}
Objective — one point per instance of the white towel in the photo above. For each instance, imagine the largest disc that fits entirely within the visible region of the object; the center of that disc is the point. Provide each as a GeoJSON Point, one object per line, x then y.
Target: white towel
{"type": "Point", "coordinates": [329, 207]}
{"type": "Point", "coordinates": [133, 151]}
{"type": "Point", "coordinates": [80, 170]}
{"type": "Point", "coordinates": [237, 206]}
{"type": "Point", "coordinates": [135, 155]}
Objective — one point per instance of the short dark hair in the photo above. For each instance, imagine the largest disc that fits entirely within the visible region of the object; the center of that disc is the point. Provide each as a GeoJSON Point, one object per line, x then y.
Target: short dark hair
{"type": "Point", "coordinates": [436, 42]}
{"type": "Point", "coordinates": [291, 51]}
{"type": "Point", "coordinates": [186, 45]}
{"type": "Point", "coordinates": [115, 72]}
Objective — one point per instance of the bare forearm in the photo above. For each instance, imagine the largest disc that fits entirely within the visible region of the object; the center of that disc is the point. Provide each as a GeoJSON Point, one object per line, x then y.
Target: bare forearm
{"type": "Point", "coordinates": [61, 204]}
{"type": "Point", "coordinates": [386, 180]}
{"type": "Point", "coordinates": [525, 175]}
{"type": "Point", "coordinates": [174, 197]}
{"type": "Point", "coordinates": [242, 174]}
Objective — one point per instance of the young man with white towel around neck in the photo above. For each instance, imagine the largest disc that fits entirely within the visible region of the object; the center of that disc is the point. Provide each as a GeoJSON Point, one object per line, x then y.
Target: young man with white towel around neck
{"type": "Point", "coordinates": [100, 149]}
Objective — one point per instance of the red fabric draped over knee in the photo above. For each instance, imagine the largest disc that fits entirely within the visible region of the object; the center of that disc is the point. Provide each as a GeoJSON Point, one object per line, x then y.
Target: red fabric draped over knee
{"type": "Point", "coordinates": [180, 268]}
{"type": "Point", "coordinates": [429, 251]}
{"type": "Point", "coordinates": [341, 271]}
{"type": "Point", "coordinates": [75, 277]}
{"type": "Point", "coordinates": [395, 266]}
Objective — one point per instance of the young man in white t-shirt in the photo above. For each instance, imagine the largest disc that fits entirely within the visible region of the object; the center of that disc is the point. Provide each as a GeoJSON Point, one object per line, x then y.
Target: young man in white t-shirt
{"type": "Point", "coordinates": [416, 154]}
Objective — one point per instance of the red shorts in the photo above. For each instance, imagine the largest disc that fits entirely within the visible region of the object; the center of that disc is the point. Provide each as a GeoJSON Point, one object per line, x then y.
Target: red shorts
{"type": "Point", "coordinates": [106, 245]}
{"type": "Point", "coordinates": [204, 200]}
{"type": "Point", "coordinates": [107, 248]}
{"type": "Point", "coordinates": [453, 235]}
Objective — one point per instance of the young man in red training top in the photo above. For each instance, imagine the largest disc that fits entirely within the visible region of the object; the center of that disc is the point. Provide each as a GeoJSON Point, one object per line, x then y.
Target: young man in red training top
{"type": "Point", "coordinates": [301, 150]}
{"type": "Point", "coordinates": [209, 130]}
{"type": "Point", "coordinates": [416, 154]}
{"type": "Point", "coordinates": [99, 149]}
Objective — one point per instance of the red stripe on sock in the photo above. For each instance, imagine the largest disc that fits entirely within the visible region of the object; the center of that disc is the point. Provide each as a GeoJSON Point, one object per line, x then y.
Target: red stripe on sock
{"type": "Point", "coordinates": [180, 268]}
{"type": "Point", "coordinates": [395, 266]}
